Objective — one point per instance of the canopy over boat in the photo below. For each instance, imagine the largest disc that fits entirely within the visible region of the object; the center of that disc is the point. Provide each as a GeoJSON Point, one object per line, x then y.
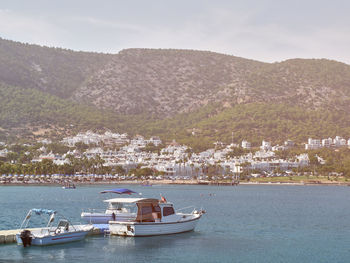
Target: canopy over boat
{"type": "Point", "coordinates": [40, 211]}
{"type": "Point", "coordinates": [118, 191]}
{"type": "Point", "coordinates": [131, 200]}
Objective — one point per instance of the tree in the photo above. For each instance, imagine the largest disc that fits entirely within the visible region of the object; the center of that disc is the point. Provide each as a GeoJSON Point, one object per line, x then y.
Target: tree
{"type": "Point", "coordinates": [141, 172]}
{"type": "Point", "coordinates": [47, 166]}
{"type": "Point", "coordinates": [12, 156]}
{"type": "Point", "coordinates": [57, 148]}
{"type": "Point", "coordinates": [119, 170]}
{"type": "Point", "coordinates": [82, 147]}
{"type": "Point", "coordinates": [99, 162]}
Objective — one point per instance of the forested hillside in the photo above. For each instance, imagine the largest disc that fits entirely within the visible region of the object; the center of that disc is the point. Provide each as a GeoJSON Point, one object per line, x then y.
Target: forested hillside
{"type": "Point", "coordinates": [195, 97]}
{"type": "Point", "coordinates": [167, 82]}
{"type": "Point", "coordinates": [56, 71]}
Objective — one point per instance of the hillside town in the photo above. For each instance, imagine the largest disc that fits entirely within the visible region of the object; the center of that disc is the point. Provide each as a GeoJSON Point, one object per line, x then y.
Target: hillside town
{"type": "Point", "coordinates": [123, 155]}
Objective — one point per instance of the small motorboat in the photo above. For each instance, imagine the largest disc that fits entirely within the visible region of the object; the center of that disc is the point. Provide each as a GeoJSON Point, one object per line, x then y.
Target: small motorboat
{"type": "Point", "coordinates": [154, 217]}
{"type": "Point", "coordinates": [116, 210]}
{"type": "Point", "coordinates": [62, 233]}
{"type": "Point", "coordinates": [69, 185]}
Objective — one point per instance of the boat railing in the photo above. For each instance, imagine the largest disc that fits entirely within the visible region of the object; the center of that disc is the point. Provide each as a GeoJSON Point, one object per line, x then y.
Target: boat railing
{"type": "Point", "coordinates": [187, 208]}
{"type": "Point", "coordinates": [93, 210]}
{"type": "Point", "coordinates": [77, 226]}
{"type": "Point", "coordinates": [46, 230]}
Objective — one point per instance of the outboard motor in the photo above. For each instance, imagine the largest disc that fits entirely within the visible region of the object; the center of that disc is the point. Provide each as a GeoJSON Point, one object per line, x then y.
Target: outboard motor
{"type": "Point", "coordinates": [26, 237]}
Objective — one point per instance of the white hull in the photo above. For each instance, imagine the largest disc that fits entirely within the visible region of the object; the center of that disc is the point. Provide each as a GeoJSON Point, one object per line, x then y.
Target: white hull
{"type": "Point", "coordinates": [103, 218]}
{"type": "Point", "coordinates": [152, 228]}
{"type": "Point", "coordinates": [55, 238]}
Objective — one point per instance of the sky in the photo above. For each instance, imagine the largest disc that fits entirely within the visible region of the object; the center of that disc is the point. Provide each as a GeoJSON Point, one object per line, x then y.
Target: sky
{"type": "Point", "coordinates": [264, 30]}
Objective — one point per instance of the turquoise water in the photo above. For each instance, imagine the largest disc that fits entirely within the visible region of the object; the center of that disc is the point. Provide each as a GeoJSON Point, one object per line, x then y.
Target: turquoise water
{"type": "Point", "coordinates": [242, 224]}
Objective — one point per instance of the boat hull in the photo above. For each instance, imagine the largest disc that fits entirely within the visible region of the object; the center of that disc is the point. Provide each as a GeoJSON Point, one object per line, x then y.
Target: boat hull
{"type": "Point", "coordinates": [152, 228]}
{"type": "Point", "coordinates": [55, 238]}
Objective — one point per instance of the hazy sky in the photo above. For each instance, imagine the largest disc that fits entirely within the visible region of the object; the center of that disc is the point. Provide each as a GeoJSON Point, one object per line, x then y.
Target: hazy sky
{"type": "Point", "coordinates": [265, 30]}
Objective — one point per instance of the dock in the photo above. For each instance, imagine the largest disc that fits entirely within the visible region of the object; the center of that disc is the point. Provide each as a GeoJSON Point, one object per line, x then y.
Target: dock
{"type": "Point", "coordinates": [9, 236]}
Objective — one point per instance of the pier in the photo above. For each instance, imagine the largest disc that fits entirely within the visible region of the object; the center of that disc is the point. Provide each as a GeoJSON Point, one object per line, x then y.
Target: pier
{"type": "Point", "coordinates": [9, 236]}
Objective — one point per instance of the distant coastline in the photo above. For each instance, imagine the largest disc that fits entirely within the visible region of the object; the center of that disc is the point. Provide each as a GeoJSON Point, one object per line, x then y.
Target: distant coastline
{"type": "Point", "coordinates": [187, 182]}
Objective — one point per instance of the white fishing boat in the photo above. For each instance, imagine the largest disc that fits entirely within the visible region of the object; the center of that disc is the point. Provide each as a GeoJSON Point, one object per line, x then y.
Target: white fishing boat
{"type": "Point", "coordinates": [154, 217]}
{"type": "Point", "coordinates": [62, 233]}
{"type": "Point", "coordinates": [115, 210]}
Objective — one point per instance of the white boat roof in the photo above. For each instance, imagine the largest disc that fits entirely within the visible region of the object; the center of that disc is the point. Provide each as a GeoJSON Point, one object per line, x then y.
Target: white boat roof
{"type": "Point", "coordinates": [129, 200]}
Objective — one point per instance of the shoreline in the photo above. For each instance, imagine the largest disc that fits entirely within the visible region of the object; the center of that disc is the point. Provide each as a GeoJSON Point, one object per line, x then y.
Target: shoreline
{"type": "Point", "coordinates": [182, 182]}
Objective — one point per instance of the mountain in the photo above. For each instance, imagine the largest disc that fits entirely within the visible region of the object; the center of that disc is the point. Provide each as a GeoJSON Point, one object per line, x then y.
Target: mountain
{"type": "Point", "coordinates": [167, 82]}
{"type": "Point", "coordinates": [193, 96]}
{"type": "Point", "coordinates": [53, 70]}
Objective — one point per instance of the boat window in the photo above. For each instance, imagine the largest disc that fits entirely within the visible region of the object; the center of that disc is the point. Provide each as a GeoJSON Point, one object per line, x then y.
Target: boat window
{"type": "Point", "coordinates": [117, 206]}
{"type": "Point", "coordinates": [168, 210]}
{"type": "Point", "coordinates": [157, 212]}
{"type": "Point", "coordinates": [63, 224]}
{"type": "Point", "coordinates": [146, 210]}
{"type": "Point", "coordinates": [130, 208]}
{"type": "Point", "coordinates": [156, 208]}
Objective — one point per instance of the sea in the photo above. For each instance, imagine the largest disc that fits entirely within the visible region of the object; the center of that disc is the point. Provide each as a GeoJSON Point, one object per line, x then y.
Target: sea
{"type": "Point", "coordinates": [245, 223]}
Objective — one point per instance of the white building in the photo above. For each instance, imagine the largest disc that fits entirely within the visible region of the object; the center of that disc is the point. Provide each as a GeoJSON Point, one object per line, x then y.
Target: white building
{"type": "Point", "coordinates": [279, 148]}
{"type": "Point", "coordinates": [266, 146]}
{"type": "Point", "coordinates": [327, 142]}
{"type": "Point", "coordinates": [263, 154]}
{"type": "Point", "coordinates": [246, 144]}
{"type": "Point", "coordinates": [138, 141]}
{"type": "Point", "coordinates": [92, 153]}
{"type": "Point", "coordinates": [155, 140]}
{"type": "Point", "coordinates": [289, 143]}
{"type": "Point", "coordinates": [339, 141]}
{"type": "Point", "coordinates": [174, 149]}
{"type": "Point", "coordinates": [89, 137]}
{"type": "Point", "coordinates": [313, 144]}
